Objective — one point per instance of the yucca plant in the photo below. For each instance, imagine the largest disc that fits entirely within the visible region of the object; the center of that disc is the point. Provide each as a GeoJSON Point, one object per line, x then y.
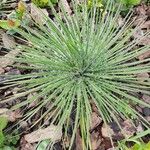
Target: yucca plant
{"type": "Point", "coordinates": [78, 60]}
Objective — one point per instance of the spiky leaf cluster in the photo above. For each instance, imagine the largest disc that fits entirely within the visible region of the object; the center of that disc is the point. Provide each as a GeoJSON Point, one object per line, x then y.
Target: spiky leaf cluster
{"type": "Point", "coordinates": [79, 60]}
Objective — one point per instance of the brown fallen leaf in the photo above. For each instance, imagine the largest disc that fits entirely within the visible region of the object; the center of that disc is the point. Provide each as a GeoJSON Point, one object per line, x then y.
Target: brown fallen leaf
{"type": "Point", "coordinates": [3, 111]}
{"type": "Point", "coordinates": [107, 144]}
{"type": "Point", "coordinates": [145, 25]}
{"type": "Point", "coordinates": [24, 145]}
{"type": "Point", "coordinates": [12, 116]}
{"type": "Point", "coordinates": [148, 11]}
{"type": "Point", "coordinates": [142, 76]}
{"type": "Point", "coordinates": [28, 146]}
{"type": "Point", "coordinates": [111, 148]}
{"type": "Point", "coordinates": [107, 131]}
{"type": "Point", "coordinates": [65, 5]}
{"type": "Point", "coordinates": [120, 21]}
{"type": "Point", "coordinates": [146, 98]}
{"type": "Point", "coordinates": [141, 10]}
{"type": "Point", "coordinates": [94, 107]}
{"type": "Point", "coordinates": [143, 40]}
{"type": "Point", "coordinates": [1, 42]}
{"type": "Point", "coordinates": [8, 59]}
{"type": "Point", "coordinates": [112, 131]}
{"type": "Point", "coordinates": [147, 118]}
{"type": "Point", "coordinates": [38, 14]}
{"type": "Point", "coordinates": [139, 128]}
{"type": "Point", "coordinates": [96, 120]}
{"type": "Point", "coordinates": [2, 70]}
{"type": "Point", "coordinates": [8, 41]}
{"type": "Point", "coordinates": [96, 140]}
{"type": "Point", "coordinates": [138, 20]}
{"type": "Point", "coordinates": [139, 108]}
{"type": "Point", "coordinates": [54, 133]}
{"type": "Point", "coordinates": [34, 102]}
{"type": "Point", "coordinates": [144, 55]}
{"type": "Point", "coordinates": [24, 125]}
{"type": "Point", "coordinates": [78, 141]}
{"type": "Point", "coordinates": [128, 128]}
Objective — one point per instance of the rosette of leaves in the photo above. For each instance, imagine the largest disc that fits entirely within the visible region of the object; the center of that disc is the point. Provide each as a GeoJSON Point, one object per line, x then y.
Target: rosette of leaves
{"type": "Point", "coordinates": [77, 61]}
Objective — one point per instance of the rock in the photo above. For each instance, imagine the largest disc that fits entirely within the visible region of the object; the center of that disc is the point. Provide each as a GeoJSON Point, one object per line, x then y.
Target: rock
{"type": "Point", "coordinates": [146, 111]}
